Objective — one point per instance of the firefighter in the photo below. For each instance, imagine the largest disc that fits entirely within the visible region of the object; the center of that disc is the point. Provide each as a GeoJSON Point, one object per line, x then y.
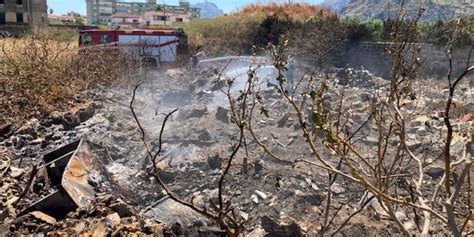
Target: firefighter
{"type": "Point", "coordinates": [195, 57]}
{"type": "Point", "coordinates": [194, 60]}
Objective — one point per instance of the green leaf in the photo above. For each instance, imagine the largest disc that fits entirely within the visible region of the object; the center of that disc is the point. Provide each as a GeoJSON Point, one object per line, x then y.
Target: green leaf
{"type": "Point", "coordinates": [264, 111]}
{"type": "Point", "coordinates": [317, 118]}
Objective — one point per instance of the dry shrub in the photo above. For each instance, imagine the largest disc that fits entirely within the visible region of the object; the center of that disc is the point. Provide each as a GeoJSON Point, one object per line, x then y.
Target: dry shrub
{"type": "Point", "coordinates": [291, 12]}
{"type": "Point", "coordinates": [39, 72]}
{"type": "Point", "coordinates": [223, 35]}
{"type": "Point", "coordinates": [255, 25]}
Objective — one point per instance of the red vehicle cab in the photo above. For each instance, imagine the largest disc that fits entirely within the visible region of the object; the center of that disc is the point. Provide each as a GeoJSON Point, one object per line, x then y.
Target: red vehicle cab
{"type": "Point", "coordinates": [167, 47]}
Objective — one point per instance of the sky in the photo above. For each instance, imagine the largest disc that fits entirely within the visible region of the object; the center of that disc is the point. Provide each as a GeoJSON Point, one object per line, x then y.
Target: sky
{"type": "Point", "coordinates": [62, 6]}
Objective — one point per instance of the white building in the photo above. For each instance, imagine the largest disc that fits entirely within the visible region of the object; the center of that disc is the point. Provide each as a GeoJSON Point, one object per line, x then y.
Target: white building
{"type": "Point", "coordinates": [99, 12]}
{"type": "Point", "coordinates": [166, 17]}
{"type": "Point", "coordinates": [132, 21]}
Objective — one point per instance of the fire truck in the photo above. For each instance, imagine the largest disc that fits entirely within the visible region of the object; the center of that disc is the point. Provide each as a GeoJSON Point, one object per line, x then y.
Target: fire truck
{"type": "Point", "coordinates": [165, 47]}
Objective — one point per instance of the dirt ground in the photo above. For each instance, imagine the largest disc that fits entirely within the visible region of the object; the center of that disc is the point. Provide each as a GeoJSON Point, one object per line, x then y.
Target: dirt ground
{"type": "Point", "coordinates": [268, 196]}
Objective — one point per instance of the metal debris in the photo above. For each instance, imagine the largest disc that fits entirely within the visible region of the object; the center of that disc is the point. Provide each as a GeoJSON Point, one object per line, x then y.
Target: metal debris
{"type": "Point", "coordinates": [44, 217]}
{"type": "Point", "coordinates": [72, 170]}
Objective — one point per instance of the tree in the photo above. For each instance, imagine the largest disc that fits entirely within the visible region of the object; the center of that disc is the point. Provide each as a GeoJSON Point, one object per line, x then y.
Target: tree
{"type": "Point", "coordinates": [79, 21]}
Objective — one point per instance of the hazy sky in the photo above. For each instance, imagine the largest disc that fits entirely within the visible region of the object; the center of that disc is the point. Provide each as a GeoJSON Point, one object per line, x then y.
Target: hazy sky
{"type": "Point", "coordinates": [63, 6]}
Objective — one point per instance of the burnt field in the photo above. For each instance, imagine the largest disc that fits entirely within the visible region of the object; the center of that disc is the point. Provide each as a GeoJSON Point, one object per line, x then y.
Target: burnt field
{"type": "Point", "coordinates": [241, 145]}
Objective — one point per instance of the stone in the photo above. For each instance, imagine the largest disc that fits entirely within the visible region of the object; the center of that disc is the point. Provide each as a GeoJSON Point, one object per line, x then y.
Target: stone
{"type": "Point", "coordinates": [3, 230]}
{"type": "Point", "coordinates": [365, 96]}
{"type": "Point", "coordinates": [5, 213]}
{"type": "Point", "coordinates": [30, 127]}
{"type": "Point", "coordinates": [279, 229]}
{"type": "Point", "coordinates": [283, 121]}
{"type": "Point", "coordinates": [214, 162]}
{"type": "Point", "coordinates": [123, 209]}
{"type": "Point", "coordinates": [15, 172]}
{"type": "Point", "coordinates": [244, 215]}
{"type": "Point", "coordinates": [435, 172]}
{"type": "Point", "coordinates": [422, 132]}
{"type": "Point", "coordinates": [293, 135]}
{"type": "Point", "coordinates": [414, 144]}
{"type": "Point", "coordinates": [375, 205]}
{"type": "Point", "coordinates": [98, 229]}
{"type": "Point", "coordinates": [56, 117]}
{"type": "Point", "coordinates": [401, 215]}
{"type": "Point", "coordinates": [420, 121]}
{"type": "Point", "coordinates": [196, 112]}
{"type": "Point", "coordinates": [337, 189]}
{"type": "Point", "coordinates": [37, 141]}
{"type": "Point", "coordinates": [371, 141]}
{"type": "Point", "coordinates": [12, 200]}
{"type": "Point", "coordinates": [6, 130]}
{"type": "Point", "coordinates": [312, 199]}
{"type": "Point", "coordinates": [113, 219]}
{"type": "Point", "coordinates": [205, 136]}
{"type": "Point", "coordinates": [299, 193]}
{"type": "Point", "coordinates": [314, 187]}
{"type": "Point", "coordinates": [258, 232]}
{"type": "Point", "coordinates": [70, 122]}
{"type": "Point", "coordinates": [408, 225]}
{"type": "Point", "coordinates": [167, 176]}
{"type": "Point", "coordinates": [153, 227]}
{"type": "Point", "coordinates": [261, 194]}
{"type": "Point", "coordinates": [275, 135]}
{"type": "Point", "coordinates": [80, 227]}
{"type": "Point", "coordinates": [254, 198]}
{"type": "Point", "coordinates": [222, 115]}
{"type": "Point", "coordinates": [258, 166]}
{"type": "Point", "coordinates": [86, 113]}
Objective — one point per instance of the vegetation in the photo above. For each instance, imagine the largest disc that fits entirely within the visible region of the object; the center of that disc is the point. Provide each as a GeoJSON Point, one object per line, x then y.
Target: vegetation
{"type": "Point", "coordinates": [222, 35]}
{"type": "Point", "coordinates": [296, 12]}
{"type": "Point", "coordinates": [438, 33]}
{"type": "Point", "coordinates": [312, 31]}
{"type": "Point", "coordinates": [39, 72]}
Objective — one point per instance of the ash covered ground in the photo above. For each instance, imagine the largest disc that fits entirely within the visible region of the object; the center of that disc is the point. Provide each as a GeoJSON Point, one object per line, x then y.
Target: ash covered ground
{"type": "Point", "coordinates": [271, 197]}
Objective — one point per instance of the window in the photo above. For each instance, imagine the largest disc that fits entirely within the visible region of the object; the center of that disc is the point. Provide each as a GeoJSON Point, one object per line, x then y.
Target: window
{"type": "Point", "coordinates": [179, 19]}
{"type": "Point", "coordinates": [19, 17]}
{"type": "Point", "coordinates": [159, 18]}
{"type": "Point", "coordinates": [2, 18]}
{"type": "Point", "coordinates": [105, 38]}
{"type": "Point", "coordinates": [2, 1]}
{"type": "Point", "coordinates": [19, 2]}
{"type": "Point", "coordinates": [86, 39]}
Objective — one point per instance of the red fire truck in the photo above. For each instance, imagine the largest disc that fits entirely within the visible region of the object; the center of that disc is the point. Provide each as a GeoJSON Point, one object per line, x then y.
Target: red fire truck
{"type": "Point", "coordinates": [166, 47]}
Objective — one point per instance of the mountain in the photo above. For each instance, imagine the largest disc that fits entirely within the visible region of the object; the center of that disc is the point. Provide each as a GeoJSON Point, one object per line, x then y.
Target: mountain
{"type": "Point", "coordinates": [336, 5]}
{"type": "Point", "coordinates": [381, 9]}
{"type": "Point", "coordinates": [209, 9]}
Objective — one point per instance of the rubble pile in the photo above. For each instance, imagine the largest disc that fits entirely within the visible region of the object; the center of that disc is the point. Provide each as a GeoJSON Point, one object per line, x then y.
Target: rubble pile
{"type": "Point", "coordinates": [270, 197]}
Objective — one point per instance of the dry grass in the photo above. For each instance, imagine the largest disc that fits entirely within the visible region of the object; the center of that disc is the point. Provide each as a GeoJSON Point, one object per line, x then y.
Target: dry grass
{"type": "Point", "coordinates": [255, 24]}
{"type": "Point", "coordinates": [39, 72]}
{"type": "Point", "coordinates": [223, 35]}
{"type": "Point", "coordinates": [291, 12]}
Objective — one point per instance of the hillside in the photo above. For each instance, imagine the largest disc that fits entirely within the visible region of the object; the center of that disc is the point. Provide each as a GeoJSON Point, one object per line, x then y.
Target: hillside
{"type": "Point", "coordinates": [294, 12]}
{"type": "Point", "coordinates": [369, 9]}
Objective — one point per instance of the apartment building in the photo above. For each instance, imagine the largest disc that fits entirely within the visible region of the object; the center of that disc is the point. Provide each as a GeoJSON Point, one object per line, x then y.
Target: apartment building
{"type": "Point", "coordinates": [166, 18]}
{"type": "Point", "coordinates": [99, 12]}
{"type": "Point", "coordinates": [126, 21]}
{"type": "Point", "coordinates": [20, 15]}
